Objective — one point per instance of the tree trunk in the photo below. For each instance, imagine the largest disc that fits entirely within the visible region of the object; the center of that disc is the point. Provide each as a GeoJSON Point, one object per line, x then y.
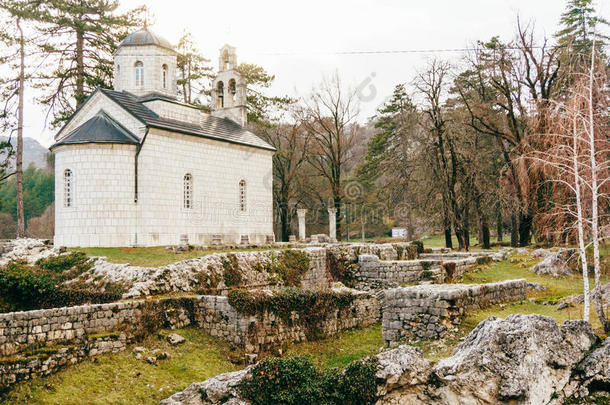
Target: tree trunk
{"type": "Point", "coordinates": [467, 227]}
{"type": "Point", "coordinates": [448, 239]}
{"type": "Point", "coordinates": [499, 222]}
{"type": "Point", "coordinates": [514, 230]}
{"type": "Point", "coordinates": [80, 68]}
{"type": "Point", "coordinates": [284, 221]}
{"type": "Point", "coordinates": [525, 229]}
{"type": "Point", "coordinates": [337, 203]}
{"type": "Point", "coordinates": [486, 241]}
{"type": "Point", "coordinates": [363, 221]}
{"type": "Point", "coordinates": [580, 224]}
{"type": "Point", "coordinates": [19, 157]}
{"type": "Point", "coordinates": [594, 203]}
{"type": "Point", "coordinates": [410, 230]}
{"type": "Point", "coordinates": [447, 228]}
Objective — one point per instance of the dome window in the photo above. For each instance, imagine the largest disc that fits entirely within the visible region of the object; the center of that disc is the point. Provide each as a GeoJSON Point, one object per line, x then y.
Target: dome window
{"type": "Point", "coordinates": [139, 74]}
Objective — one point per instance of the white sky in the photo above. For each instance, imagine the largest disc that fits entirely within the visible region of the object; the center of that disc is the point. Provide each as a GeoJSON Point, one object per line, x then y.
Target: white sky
{"type": "Point", "coordinates": [307, 32]}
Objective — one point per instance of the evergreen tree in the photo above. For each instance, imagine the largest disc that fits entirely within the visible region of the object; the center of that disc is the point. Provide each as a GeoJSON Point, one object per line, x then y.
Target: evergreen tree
{"type": "Point", "coordinates": [580, 24]}
{"type": "Point", "coordinates": [194, 71]}
{"type": "Point", "coordinates": [80, 36]}
{"type": "Point", "coordinates": [261, 107]}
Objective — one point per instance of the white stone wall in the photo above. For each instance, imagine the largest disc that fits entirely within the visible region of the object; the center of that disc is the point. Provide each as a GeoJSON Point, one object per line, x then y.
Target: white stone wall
{"type": "Point", "coordinates": [176, 111]}
{"type": "Point", "coordinates": [217, 168]}
{"type": "Point", "coordinates": [96, 104]}
{"type": "Point", "coordinates": [153, 58]}
{"type": "Point", "coordinates": [103, 209]}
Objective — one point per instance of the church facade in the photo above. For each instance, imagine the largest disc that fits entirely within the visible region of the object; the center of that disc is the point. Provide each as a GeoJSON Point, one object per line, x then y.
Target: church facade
{"type": "Point", "coordinates": [136, 167]}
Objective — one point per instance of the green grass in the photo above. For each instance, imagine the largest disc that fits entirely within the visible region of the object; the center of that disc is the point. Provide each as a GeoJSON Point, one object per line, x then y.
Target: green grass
{"type": "Point", "coordinates": [438, 241]}
{"type": "Point", "coordinates": [341, 350]}
{"type": "Point", "coordinates": [151, 256]}
{"type": "Point", "coordinates": [122, 379]}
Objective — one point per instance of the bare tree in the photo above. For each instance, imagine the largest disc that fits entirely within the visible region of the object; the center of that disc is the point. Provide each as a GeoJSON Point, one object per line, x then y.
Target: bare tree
{"type": "Point", "coordinates": [292, 145]}
{"type": "Point", "coordinates": [329, 117]}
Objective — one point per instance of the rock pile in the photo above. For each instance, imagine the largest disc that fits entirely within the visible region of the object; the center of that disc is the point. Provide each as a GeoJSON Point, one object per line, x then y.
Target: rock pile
{"type": "Point", "coordinates": [555, 264]}
{"type": "Point", "coordinates": [30, 250]}
{"type": "Point", "coordinates": [523, 359]}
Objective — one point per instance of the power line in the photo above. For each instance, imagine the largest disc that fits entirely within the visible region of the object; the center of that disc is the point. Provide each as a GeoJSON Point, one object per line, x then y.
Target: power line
{"type": "Point", "coordinates": [399, 51]}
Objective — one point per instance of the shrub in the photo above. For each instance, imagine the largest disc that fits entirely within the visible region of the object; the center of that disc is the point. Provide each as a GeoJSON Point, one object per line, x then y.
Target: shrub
{"type": "Point", "coordinates": [411, 252]}
{"type": "Point", "coordinates": [66, 267]}
{"type": "Point", "coordinates": [290, 266]}
{"type": "Point", "coordinates": [295, 380]}
{"type": "Point", "coordinates": [341, 269]}
{"type": "Point", "coordinates": [420, 246]}
{"type": "Point", "coordinates": [232, 274]}
{"type": "Point", "coordinates": [24, 287]}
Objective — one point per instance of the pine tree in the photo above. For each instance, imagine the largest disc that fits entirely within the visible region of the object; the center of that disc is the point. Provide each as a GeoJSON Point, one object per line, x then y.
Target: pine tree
{"type": "Point", "coordinates": [195, 73]}
{"type": "Point", "coordinates": [81, 37]}
{"type": "Point", "coordinates": [580, 24]}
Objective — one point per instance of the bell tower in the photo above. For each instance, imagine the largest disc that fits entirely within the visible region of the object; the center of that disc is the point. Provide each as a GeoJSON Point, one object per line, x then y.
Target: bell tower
{"type": "Point", "coordinates": [229, 88]}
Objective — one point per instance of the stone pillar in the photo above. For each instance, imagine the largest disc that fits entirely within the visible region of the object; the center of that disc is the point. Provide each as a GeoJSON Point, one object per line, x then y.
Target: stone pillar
{"type": "Point", "coordinates": [301, 213]}
{"type": "Point", "coordinates": [332, 224]}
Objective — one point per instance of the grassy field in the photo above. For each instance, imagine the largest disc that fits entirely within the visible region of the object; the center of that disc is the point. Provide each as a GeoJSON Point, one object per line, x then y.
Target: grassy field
{"type": "Point", "coordinates": [438, 241]}
{"type": "Point", "coordinates": [122, 379]}
{"type": "Point", "coordinates": [150, 256]}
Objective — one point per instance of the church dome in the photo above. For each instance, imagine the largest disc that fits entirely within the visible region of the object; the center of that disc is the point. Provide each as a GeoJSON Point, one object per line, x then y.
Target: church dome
{"type": "Point", "coordinates": [145, 37]}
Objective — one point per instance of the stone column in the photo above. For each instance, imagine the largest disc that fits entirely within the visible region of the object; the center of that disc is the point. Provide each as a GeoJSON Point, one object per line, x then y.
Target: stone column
{"type": "Point", "coordinates": [301, 213]}
{"type": "Point", "coordinates": [332, 224]}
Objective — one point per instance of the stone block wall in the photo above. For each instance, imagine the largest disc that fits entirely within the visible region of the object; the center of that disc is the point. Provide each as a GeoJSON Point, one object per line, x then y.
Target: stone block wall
{"type": "Point", "coordinates": [317, 277]}
{"type": "Point", "coordinates": [428, 311]}
{"type": "Point", "coordinates": [28, 339]}
{"type": "Point", "coordinates": [45, 362]}
{"type": "Point", "coordinates": [399, 271]}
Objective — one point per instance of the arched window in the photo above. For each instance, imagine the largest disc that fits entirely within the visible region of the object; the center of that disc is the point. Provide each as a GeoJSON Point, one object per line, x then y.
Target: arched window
{"type": "Point", "coordinates": [220, 94]}
{"type": "Point", "coordinates": [232, 91]}
{"type": "Point", "coordinates": [164, 68]}
{"type": "Point", "coordinates": [68, 188]}
{"type": "Point", "coordinates": [139, 74]}
{"type": "Point", "coordinates": [118, 70]}
{"type": "Point", "coordinates": [242, 195]}
{"type": "Point", "coordinates": [188, 191]}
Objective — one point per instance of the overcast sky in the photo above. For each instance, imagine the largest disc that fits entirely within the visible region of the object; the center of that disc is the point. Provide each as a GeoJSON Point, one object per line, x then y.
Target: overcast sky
{"type": "Point", "coordinates": [298, 41]}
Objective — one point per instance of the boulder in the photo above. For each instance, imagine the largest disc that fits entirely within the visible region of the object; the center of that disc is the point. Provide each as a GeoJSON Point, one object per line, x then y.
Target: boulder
{"type": "Point", "coordinates": [539, 253]}
{"type": "Point", "coordinates": [592, 374]}
{"type": "Point", "coordinates": [400, 367]}
{"type": "Point", "coordinates": [217, 390]}
{"type": "Point", "coordinates": [175, 339]}
{"type": "Point", "coordinates": [533, 286]}
{"type": "Point", "coordinates": [523, 359]}
{"type": "Point", "coordinates": [580, 299]}
{"type": "Point", "coordinates": [556, 263]}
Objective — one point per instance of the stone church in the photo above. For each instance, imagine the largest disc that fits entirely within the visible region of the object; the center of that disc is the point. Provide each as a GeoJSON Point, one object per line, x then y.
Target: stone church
{"type": "Point", "coordinates": [134, 166]}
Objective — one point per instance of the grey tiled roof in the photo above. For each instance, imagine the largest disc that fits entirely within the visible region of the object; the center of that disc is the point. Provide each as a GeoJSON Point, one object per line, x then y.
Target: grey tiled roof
{"type": "Point", "coordinates": [145, 37]}
{"type": "Point", "coordinates": [101, 128]}
{"type": "Point", "coordinates": [222, 129]}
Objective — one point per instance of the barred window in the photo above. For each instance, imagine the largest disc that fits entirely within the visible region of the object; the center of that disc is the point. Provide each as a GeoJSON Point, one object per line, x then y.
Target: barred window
{"type": "Point", "coordinates": [164, 68]}
{"type": "Point", "coordinates": [242, 195]}
{"type": "Point", "coordinates": [139, 74]}
{"type": "Point", "coordinates": [68, 188]}
{"type": "Point", "coordinates": [188, 191]}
